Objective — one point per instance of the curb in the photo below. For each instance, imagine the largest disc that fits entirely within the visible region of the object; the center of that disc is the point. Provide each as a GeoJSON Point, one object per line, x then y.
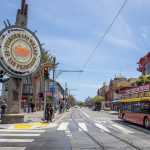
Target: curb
{"type": "Point", "coordinates": [32, 125]}
{"type": "Point", "coordinates": [59, 116]}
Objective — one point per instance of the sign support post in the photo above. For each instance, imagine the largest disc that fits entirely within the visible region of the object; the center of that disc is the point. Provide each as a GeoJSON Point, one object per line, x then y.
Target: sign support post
{"type": "Point", "coordinates": [45, 97]}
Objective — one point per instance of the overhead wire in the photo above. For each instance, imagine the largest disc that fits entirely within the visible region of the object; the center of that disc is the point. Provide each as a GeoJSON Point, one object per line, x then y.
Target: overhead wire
{"type": "Point", "coordinates": [102, 38]}
{"type": "Point", "coordinates": [104, 35]}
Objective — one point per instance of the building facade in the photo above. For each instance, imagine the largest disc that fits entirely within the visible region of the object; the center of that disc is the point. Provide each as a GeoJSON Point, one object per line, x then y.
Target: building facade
{"type": "Point", "coordinates": [144, 64]}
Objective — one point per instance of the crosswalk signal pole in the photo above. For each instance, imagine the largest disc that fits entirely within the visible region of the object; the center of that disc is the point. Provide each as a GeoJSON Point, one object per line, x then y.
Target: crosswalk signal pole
{"type": "Point", "coordinates": [46, 76]}
{"type": "Point", "coordinates": [45, 97]}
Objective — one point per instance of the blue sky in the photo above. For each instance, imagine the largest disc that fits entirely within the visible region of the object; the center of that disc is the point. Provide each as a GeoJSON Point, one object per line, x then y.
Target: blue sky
{"type": "Point", "coordinates": [72, 28]}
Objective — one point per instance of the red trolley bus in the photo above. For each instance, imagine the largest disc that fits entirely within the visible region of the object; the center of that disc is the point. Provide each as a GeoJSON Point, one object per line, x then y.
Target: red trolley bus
{"type": "Point", "coordinates": [134, 105]}
{"type": "Point", "coordinates": [136, 110]}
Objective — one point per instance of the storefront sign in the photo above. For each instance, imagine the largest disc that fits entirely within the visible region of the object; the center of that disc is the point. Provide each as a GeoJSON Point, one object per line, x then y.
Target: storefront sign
{"type": "Point", "coordinates": [136, 90]}
{"type": "Point", "coordinates": [136, 95]}
{"type": "Point", "coordinates": [20, 51]}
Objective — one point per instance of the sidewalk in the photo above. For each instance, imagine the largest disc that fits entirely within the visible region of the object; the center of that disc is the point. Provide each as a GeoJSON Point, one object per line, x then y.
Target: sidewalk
{"type": "Point", "coordinates": [32, 121]}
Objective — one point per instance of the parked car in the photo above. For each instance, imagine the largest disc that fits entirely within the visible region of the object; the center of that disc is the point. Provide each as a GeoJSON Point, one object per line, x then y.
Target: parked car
{"type": "Point", "coordinates": [96, 108]}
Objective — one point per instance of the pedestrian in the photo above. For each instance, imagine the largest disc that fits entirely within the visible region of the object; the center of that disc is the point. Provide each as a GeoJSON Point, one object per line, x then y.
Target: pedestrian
{"type": "Point", "coordinates": [61, 105]}
{"type": "Point", "coordinates": [28, 109]}
{"type": "Point", "coordinates": [49, 113]}
{"type": "Point", "coordinates": [3, 107]}
{"type": "Point", "coordinates": [32, 106]}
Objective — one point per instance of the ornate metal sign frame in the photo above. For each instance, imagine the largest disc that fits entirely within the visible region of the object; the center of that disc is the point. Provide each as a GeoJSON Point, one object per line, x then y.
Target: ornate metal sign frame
{"type": "Point", "coordinates": [20, 51]}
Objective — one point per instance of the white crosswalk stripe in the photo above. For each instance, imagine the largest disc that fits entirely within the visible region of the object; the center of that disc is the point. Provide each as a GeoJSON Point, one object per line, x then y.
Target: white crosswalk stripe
{"type": "Point", "coordinates": [124, 130]}
{"type": "Point", "coordinates": [83, 126]}
{"type": "Point", "coordinates": [27, 137]}
{"type": "Point", "coordinates": [102, 127]}
{"type": "Point", "coordinates": [63, 126]}
{"type": "Point", "coordinates": [100, 124]}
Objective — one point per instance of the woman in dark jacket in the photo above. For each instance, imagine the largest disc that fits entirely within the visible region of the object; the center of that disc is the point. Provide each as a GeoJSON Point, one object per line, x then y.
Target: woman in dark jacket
{"type": "Point", "coordinates": [49, 112]}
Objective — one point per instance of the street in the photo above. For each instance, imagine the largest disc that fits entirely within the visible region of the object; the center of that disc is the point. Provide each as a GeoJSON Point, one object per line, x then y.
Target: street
{"type": "Point", "coordinates": [79, 129]}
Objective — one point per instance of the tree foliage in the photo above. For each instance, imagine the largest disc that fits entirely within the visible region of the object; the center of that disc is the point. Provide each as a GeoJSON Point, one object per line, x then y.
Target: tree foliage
{"type": "Point", "coordinates": [98, 98]}
{"type": "Point", "coordinates": [47, 60]}
{"type": "Point", "coordinates": [72, 100]}
{"type": "Point", "coordinates": [121, 84]}
{"type": "Point", "coordinates": [143, 79]}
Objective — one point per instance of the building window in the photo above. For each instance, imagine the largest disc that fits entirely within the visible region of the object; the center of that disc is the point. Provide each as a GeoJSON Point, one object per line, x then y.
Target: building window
{"type": "Point", "coordinates": [27, 89]}
{"type": "Point", "coordinates": [147, 68]}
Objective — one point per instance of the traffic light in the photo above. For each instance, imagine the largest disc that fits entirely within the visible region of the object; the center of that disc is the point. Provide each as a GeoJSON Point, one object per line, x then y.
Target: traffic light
{"type": "Point", "coordinates": [46, 73]}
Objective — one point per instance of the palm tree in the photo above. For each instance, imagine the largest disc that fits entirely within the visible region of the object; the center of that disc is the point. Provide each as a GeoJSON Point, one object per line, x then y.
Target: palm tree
{"type": "Point", "coordinates": [47, 61]}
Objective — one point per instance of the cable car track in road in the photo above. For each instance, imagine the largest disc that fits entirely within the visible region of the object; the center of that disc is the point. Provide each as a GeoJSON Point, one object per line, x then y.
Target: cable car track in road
{"type": "Point", "coordinates": [123, 140]}
{"type": "Point", "coordinates": [100, 145]}
{"type": "Point", "coordinates": [135, 127]}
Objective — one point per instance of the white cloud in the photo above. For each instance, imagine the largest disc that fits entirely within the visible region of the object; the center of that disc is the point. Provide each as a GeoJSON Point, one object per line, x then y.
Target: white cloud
{"type": "Point", "coordinates": [123, 43]}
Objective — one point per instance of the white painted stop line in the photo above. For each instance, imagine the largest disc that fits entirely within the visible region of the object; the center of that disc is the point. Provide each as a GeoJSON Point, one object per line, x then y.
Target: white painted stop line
{"type": "Point", "coordinates": [83, 126]}
{"type": "Point", "coordinates": [102, 127]}
{"type": "Point", "coordinates": [19, 135]}
{"type": "Point", "coordinates": [12, 148]}
{"type": "Point", "coordinates": [63, 126]}
{"type": "Point", "coordinates": [16, 140]}
{"type": "Point", "coordinates": [26, 131]}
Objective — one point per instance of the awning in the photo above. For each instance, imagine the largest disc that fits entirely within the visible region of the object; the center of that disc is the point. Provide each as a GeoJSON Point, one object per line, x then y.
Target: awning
{"type": "Point", "coordinates": [136, 99]}
{"type": "Point", "coordinates": [115, 100]}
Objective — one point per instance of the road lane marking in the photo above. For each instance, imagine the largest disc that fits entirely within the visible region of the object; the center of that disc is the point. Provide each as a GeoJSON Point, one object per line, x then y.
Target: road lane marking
{"type": "Point", "coordinates": [104, 121]}
{"type": "Point", "coordinates": [102, 127]}
{"type": "Point", "coordinates": [19, 135]}
{"type": "Point", "coordinates": [68, 133]}
{"type": "Point", "coordinates": [86, 114]}
{"type": "Point", "coordinates": [63, 126]}
{"type": "Point", "coordinates": [83, 126]}
{"type": "Point", "coordinates": [12, 148]}
{"type": "Point", "coordinates": [26, 131]}
{"type": "Point", "coordinates": [16, 140]}
{"type": "Point", "coordinates": [122, 128]}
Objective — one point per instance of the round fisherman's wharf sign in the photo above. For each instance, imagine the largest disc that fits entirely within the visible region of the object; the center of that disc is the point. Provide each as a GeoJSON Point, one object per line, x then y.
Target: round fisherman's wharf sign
{"type": "Point", "coordinates": [20, 51]}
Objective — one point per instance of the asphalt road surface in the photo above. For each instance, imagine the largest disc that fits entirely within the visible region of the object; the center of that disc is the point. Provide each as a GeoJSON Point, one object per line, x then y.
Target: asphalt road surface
{"type": "Point", "coordinates": [79, 129]}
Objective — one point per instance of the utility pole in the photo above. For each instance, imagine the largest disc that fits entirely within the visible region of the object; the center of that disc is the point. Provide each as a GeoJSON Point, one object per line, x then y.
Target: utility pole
{"type": "Point", "coordinates": [53, 82]}
{"type": "Point", "coordinates": [65, 90]}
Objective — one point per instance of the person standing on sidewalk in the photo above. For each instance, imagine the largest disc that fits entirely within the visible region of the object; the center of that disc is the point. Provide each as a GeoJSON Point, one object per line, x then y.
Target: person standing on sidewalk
{"type": "Point", "coordinates": [3, 108]}
{"type": "Point", "coordinates": [49, 112]}
{"type": "Point", "coordinates": [32, 106]}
